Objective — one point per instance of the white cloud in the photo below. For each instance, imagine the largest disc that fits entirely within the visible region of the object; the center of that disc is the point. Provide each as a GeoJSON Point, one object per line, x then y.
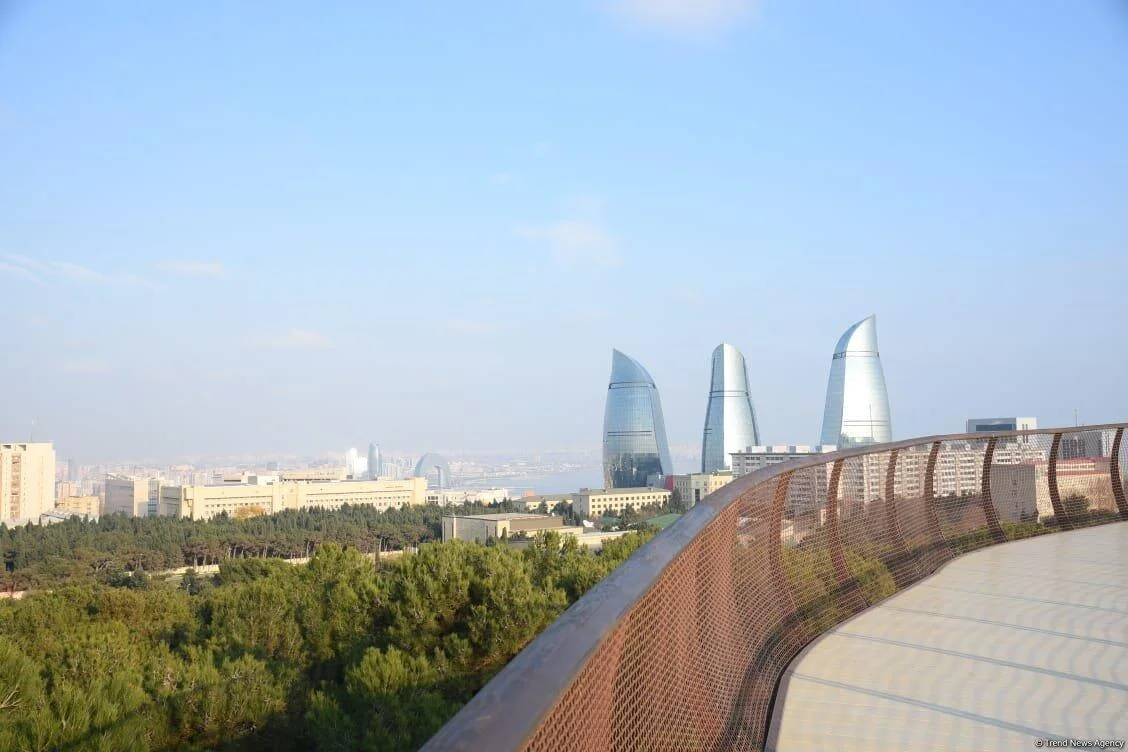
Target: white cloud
{"type": "Point", "coordinates": [18, 271]}
{"type": "Point", "coordinates": [80, 273]}
{"type": "Point", "coordinates": [543, 149]}
{"type": "Point", "coordinates": [27, 263]}
{"type": "Point", "coordinates": [38, 321]}
{"type": "Point", "coordinates": [683, 16]}
{"type": "Point", "coordinates": [135, 280]}
{"type": "Point", "coordinates": [298, 339]}
{"type": "Point", "coordinates": [86, 367]}
{"type": "Point", "coordinates": [503, 178]}
{"type": "Point", "coordinates": [76, 271]}
{"type": "Point", "coordinates": [193, 268]}
{"type": "Point", "coordinates": [463, 326]}
{"type": "Point", "coordinates": [577, 240]}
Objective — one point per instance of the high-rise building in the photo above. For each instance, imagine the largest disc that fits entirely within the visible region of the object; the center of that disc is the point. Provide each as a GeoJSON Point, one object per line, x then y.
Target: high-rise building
{"type": "Point", "coordinates": [634, 433]}
{"type": "Point", "coordinates": [27, 480]}
{"type": "Point", "coordinates": [432, 464]}
{"type": "Point", "coordinates": [374, 470]}
{"type": "Point", "coordinates": [857, 406]}
{"type": "Point", "coordinates": [730, 418]}
{"type": "Point", "coordinates": [356, 466]}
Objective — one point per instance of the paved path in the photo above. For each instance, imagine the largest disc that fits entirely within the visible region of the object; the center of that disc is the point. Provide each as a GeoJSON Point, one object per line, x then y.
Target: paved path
{"type": "Point", "coordinates": [1000, 648]}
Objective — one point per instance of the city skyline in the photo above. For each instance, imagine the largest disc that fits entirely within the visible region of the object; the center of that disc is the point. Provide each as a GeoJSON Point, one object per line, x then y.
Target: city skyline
{"type": "Point", "coordinates": [199, 228]}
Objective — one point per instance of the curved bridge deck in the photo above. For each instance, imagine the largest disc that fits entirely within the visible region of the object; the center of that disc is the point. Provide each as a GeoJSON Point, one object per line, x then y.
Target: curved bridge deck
{"type": "Point", "coordinates": [999, 648]}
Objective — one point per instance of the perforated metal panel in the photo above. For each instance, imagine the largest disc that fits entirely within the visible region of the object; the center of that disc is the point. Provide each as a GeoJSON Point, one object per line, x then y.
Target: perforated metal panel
{"type": "Point", "coordinates": [683, 646]}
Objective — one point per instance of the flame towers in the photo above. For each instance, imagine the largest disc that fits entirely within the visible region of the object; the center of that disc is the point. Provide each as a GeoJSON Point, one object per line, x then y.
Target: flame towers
{"type": "Point", "coordinates": [730, 418]}
{"type": "Point", "coordinates": [634, 433]}
{"type": "Point", "coordinates": [857, 406]}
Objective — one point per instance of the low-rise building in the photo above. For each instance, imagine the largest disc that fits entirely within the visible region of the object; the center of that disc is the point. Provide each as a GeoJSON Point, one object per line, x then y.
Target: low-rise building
{"type": "Point", "coordinates": [264, 495]}
{"type": "Point", "coordinates": [593, 503]}
{"type": "Point", "coordinates": [694, 487]}
{"type": "Point", "coordinates": [547, 502]}
{"type": "Point", "coordinates": [86, 506]}
{"type": "Point", "coordinates": [518, 528]}
{"type": "Point", "coordinates": [445, 497]}
{"type": "Point", "coordinates": [483, 527]}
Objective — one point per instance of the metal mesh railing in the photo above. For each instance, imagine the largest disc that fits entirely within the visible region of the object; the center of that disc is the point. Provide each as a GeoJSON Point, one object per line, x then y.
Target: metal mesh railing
{"type": "Point", "coordinates": [682, 647]}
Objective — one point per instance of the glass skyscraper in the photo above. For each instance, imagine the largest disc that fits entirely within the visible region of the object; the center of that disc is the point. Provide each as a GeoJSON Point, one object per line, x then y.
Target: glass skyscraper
{"type": "Point", "coordinates": [730, 418]}
{"type": "Point", "coordinates": [857, 406]}
{"type": "Point", "coordinates": [634, 434]}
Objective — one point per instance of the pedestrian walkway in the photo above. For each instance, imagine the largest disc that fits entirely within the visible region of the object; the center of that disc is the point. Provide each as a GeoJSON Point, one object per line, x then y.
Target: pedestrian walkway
{"type": "Point", "coordinates": [1003, 648]}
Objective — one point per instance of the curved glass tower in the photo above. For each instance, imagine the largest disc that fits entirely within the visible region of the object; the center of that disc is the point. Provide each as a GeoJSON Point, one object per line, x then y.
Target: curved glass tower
{"type": "Point", "coordinates": [634, 434]}
{"type": "Point", "coordinates": [730, 418]}
{"type": "Point", "coordinates": [857, 407]}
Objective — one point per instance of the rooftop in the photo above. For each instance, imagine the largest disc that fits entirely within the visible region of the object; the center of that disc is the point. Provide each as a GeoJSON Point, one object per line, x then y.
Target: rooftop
{"type": "Point", "coordinates": [499, 516]}
{"type": "Point", "coordinates": [663, 521]}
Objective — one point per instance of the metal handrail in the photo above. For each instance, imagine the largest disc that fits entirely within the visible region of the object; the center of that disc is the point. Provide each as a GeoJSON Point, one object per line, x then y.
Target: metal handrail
{"type": "Point", "coordinates": [508, 710]}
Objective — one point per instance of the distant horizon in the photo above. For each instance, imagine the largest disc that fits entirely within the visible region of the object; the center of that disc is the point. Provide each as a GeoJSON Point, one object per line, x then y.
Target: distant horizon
{"type": "Point", "coordinates": [682, 453]}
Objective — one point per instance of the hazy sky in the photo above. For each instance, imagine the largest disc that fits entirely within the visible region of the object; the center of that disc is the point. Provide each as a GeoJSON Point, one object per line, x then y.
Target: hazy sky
{"type": "Point", "coordinates": [292, 226]}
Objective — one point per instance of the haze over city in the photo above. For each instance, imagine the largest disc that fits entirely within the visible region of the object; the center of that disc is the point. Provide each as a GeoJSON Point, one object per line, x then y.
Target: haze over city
{"type": "Point", "coordinates": [278, 228]}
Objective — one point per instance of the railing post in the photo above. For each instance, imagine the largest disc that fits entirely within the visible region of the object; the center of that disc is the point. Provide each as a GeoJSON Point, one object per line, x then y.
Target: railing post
{"type": "Point", "coordinates": [849, 595]}
{"type": "Point", "coordinates": [938, 547]}
{"type": "Point", "coordinates": [1062, 517]}
{"type": "Point", "coordinates": [902, 559]}
{"type": "Point", "coordinates": [797, 634]}
{"type": "Point", "coordinates": [1114, 472]}
{"type": "Point", "coordinates": [993, 525]}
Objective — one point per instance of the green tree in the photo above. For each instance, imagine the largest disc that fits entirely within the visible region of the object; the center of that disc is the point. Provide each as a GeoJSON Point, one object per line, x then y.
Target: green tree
{"type": "Point", "coordinates": [1076, 506]}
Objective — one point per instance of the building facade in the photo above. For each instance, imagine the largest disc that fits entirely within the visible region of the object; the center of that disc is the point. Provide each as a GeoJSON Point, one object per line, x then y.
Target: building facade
{"type": "Point", "coordinates": [1025, 487]}
{"type": "Point", "coordinates": [83, 506]}
{"type": "Point", "coordinates": [27, 480]}
{"type": "Point", "coordinates": [133, 497]}
{"type": "Point", "coordinates": [989, 425]}
{"type": "Point", "coordinates": [754, 458]}
{"type": "Point", "coordinates": [483, 527]}
{"type": "Point", "coordinates": [269, 496]}
{"type": "Point", "coordinates": [449, 496]}
{"type": "Point", "coordinates": [807, 489]}
{"type": "Point", "coordinates": [634, 431]}
{"type": "Point", "coordinates": [547, 502]}
{"type": "Point", "coordinates": [730, 417]}
{"type": "Point", "coordinates": [857, 405]}
{"type": "Point", "coordinates": [694, 487]}
{"type": "Point", "coordinates": [595, 503]}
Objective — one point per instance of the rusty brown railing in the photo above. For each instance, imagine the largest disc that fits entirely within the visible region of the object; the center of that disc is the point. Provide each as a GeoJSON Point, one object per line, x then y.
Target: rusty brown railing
{"type": "Point", "coordinates": [681, 648]}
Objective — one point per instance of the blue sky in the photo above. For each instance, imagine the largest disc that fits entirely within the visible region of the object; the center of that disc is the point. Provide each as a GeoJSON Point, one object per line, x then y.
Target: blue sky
{"type": "Point", "coordinates": [268, 227]}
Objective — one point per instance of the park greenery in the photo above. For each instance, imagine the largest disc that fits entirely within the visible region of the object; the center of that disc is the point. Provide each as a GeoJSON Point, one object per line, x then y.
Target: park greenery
{"type": "Point", "coordinates": [344, 653]}
{"type": "Point", "coordinates": [76, 549]}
